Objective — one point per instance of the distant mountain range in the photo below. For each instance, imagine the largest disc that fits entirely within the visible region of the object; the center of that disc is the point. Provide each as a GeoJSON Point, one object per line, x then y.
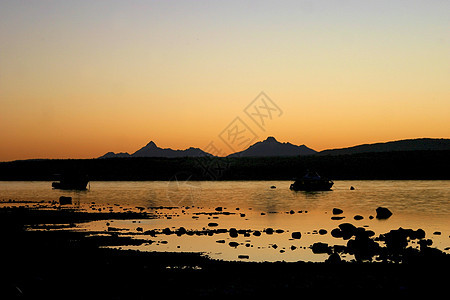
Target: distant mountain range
{"type": "Point", "coordinates": [271, 147]}
{"type": "Point", "coordinates": [151, 150]}
{"type": "Point", "coordinates": [402, 145]}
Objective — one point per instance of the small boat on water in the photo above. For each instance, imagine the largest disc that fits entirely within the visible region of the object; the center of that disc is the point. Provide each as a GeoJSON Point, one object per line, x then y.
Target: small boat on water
{"type": "Point", "coordinates": [310, 182]}
{"type": "Point", "coordinates": [71, 182]}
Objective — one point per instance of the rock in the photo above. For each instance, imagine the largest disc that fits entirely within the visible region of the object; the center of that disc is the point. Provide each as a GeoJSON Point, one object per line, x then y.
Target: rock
{"type": "Point", "coordinates": [319, 248]}
{"type": "Point", "coordinates": [419, 234]}
{"type": "Point", "coordinates": [352, 188]}
{"type": "Point", "coordinates": [322, 231]}
{"type": "Point", "coordinates": [212, 224]}
{"type": "Point", "coordinates": [425, 243]}
{"type": "Point", "coordinates": [233, 232]}
{"type": "Point", "coordinates": [337, 211]}
{"type": "Point", "coordinates": [257, 233]}
{"type": "Point", "coordinates": [139, 229]}
{"type": "Point", "coordinates": [396, 240]}
{"type": "Point", "coordinates": [333, 258]}
{"type": "Point", "coordinates": [243, 256]}
{"type": "Point", "coordinates": [167, 231]}
{"type": "Point", "coordinates": [63, 200]}
{"type": "Point", "coordinates": [279, 231]}
{"type": "Point", "coordinates": [358, 217]}
{"type": "Point", "coordinates": [437, 233]}
{"type": "Point", "coordinates": [150, 232]}
{"type": "Point", "coordinates": [292, 212]}
{"type": "Point", "coordinates": [233, 244]}
{"type": "Point", "coordinates": [337, 218]}
{"type": "Point", "coordinates": [220, 241]}
{"type": "Point", "coordinates": [273, 187]}
{"type": "Point", "coordinates": [269, 230]}
{"type": "Point", "coordinates": [219, 208]}
{"type": "Point", "coordinates": [370, 217]}
{"type": "Point", "coordinates": [347, 227]}
{"type": "Point", "coordinates": [383, 213]}
{"type": "Point", "coordinates": [242, 215]}
{"type": "Point", "coordinates": [337, 233]}
{"type": "Point", "coordinates": [180, 231]}
{"type": "Point", "coordinates": [293, 247]}
{"type": "Point", "coordinates": [296, 235]}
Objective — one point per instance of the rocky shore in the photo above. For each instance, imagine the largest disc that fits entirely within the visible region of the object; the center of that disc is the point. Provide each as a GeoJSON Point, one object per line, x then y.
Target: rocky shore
{"type": "Point", "coordinates": [53, 261]}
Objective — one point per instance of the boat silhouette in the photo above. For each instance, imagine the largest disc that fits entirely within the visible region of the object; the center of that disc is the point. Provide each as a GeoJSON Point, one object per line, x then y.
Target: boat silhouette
{"type": "Point", "coordinates": [310, 182]}
{"type": "Point", "coordinates": [71, 182]}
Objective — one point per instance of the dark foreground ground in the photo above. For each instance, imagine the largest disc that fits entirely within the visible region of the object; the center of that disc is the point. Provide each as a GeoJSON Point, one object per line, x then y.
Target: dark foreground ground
{"type": "Point", "coordinates": [61, 264]}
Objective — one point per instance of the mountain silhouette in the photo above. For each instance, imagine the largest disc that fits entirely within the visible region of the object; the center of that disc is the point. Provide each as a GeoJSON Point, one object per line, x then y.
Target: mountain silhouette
{"type": "Point", "coordinates": [401, 145]}
{"type": "Point", "coordinates": [271, 147]}
{"type": "Point", "coordinates": [151, 150]}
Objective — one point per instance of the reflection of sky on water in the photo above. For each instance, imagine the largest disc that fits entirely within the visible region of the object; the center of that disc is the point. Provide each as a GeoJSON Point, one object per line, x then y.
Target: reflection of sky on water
{"type": "Point", "coordinates": [415, 204]}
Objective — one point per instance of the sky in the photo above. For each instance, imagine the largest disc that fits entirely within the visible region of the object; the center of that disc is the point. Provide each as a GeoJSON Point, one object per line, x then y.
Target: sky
{"type": "Point", "coordinates": [82, 78]}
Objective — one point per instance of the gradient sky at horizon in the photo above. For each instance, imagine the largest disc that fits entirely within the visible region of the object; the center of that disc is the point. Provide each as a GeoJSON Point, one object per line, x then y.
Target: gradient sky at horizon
{"type": "Point", "coordinates": [81, 78]}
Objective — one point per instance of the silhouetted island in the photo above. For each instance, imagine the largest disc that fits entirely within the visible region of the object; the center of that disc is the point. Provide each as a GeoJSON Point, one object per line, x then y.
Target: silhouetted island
{"type": "Point", "coordinates": [407, 159]}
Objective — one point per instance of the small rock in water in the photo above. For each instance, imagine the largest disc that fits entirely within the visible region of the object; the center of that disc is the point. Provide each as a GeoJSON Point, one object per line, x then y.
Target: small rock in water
{"type": "Point", "coordinates": [322, 231]}
{"type": "Point", "coordinates": [337, 211]}
{"type": "Point", "coordinates": [233, 244]}
{"type": "Point", "coordinates": [437, 233]}
{"type": "Point", "coordinates": [269, 230]}
{"type": "Point", "coordinates": [243, 256]}
{"type": "Point", "coordinates": [296, 235]}
{"type": "Point", "coordinates": [337, 233]}
{"type": "Point", "coordinates": [233, 232]}
{"type": "Point", "coordinates": [383, 213]}
{"type": "Point", "coordinates": [273, 187]}
{"type": "Point", "coordinates": [219, 208]}
{"type": "Point", "coordinates": [337, 218]}
{"type": "Point", "coordinates": [220, 241]}
{"type": "Point", "coordinates": [212, 224]}
{"type": "Point", "coordinates": [257, 233]}
{"type": "Point", "coordinates": [139, 229]}
{"type": "Point", "coordinates": [352, 188]}
{"type": "Point", "coordinates": [358, 217]}
{"type": "Point", "coordinates": [318, 248]}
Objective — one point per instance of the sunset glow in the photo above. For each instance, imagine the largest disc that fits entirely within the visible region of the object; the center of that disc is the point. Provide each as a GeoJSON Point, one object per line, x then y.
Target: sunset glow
{"type": "Point", "coordinates": [81, 78]}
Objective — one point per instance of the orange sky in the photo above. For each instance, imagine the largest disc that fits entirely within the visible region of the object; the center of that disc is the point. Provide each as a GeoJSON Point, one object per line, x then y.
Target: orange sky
{"type": "Point", "coordinates": [79, 79]}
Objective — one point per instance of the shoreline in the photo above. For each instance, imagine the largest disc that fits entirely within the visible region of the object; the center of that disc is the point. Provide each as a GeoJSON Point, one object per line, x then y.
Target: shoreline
{"type": "Point", "coordinates": [51, 261]}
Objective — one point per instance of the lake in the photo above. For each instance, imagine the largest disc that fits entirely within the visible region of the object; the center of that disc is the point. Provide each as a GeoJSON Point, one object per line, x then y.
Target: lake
{"type": "Point", "coordinates": [254, 205]}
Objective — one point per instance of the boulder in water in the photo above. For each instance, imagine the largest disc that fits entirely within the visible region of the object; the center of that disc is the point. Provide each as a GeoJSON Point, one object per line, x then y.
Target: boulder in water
{"type": "Point", "coordinates": [383, 213]}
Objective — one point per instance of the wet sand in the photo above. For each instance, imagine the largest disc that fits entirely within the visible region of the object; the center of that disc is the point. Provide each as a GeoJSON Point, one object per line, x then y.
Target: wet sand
{"type": "Point", "coordinates": [47, 252]}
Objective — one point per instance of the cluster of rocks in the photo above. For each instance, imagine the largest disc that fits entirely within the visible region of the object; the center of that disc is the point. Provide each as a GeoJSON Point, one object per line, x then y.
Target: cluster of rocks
{"type": "Point", "coordinates": [381, 214]}
{"type": "Point", "coordinates": [364, 245]}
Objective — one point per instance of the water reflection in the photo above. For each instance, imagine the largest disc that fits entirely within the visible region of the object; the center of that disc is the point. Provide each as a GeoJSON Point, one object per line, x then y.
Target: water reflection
{"type": "Point", "coordinates": [255, 206]}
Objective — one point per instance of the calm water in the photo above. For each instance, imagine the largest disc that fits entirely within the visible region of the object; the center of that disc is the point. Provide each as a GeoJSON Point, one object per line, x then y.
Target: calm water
{"type": "Point", "coordinates": [415, 204]}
